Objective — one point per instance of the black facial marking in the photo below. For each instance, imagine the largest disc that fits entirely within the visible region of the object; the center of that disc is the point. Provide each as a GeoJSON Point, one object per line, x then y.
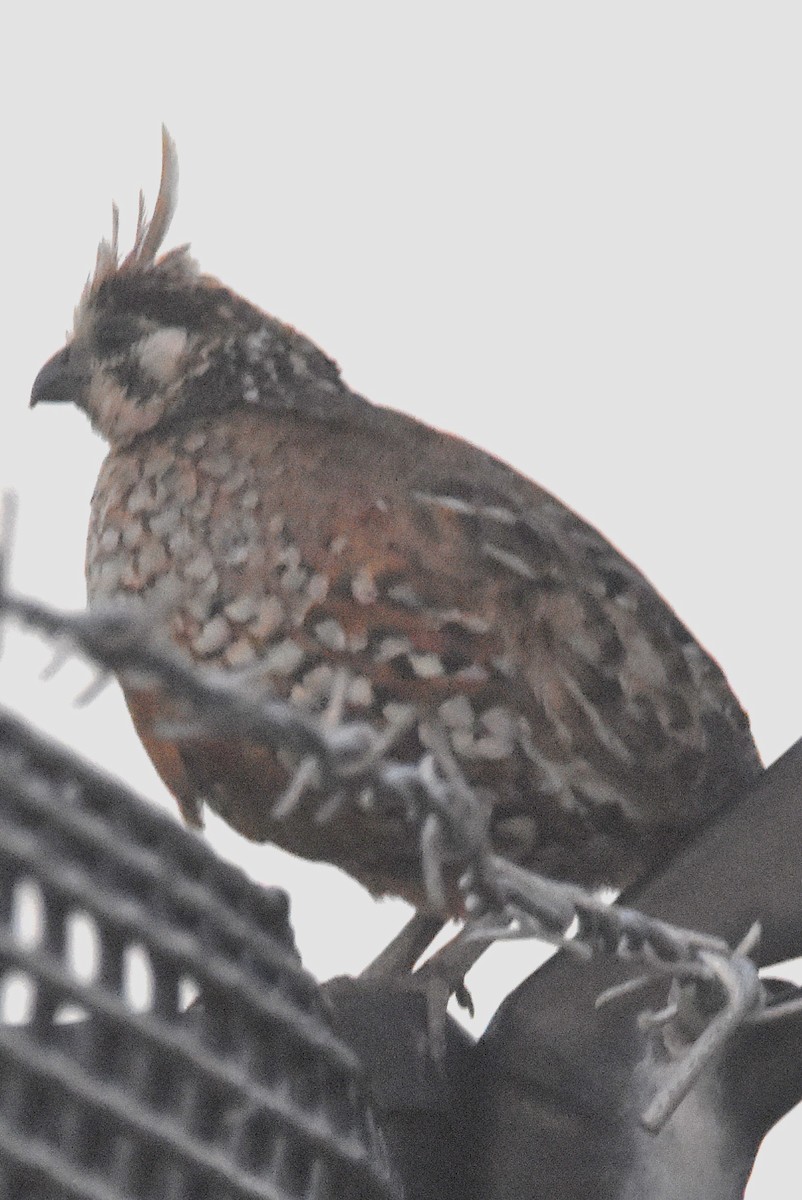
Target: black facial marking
{"type": "Point", "coordinates": [130, 375]}
{"type": "Point", "coordinates": [194, 308]}
{"type": "Point", "coordinates": [115, 333]}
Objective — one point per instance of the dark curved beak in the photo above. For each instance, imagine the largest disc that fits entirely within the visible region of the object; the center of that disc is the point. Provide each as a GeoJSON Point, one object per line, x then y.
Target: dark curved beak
{"type": "Point", "coordinates": [63, 378]}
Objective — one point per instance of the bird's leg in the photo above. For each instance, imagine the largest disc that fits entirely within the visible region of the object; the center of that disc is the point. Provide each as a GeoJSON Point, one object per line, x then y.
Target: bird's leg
{"type": "Point", "coordinates": [399, 957]}
{"type": "Point", "coordinates": [442, 975]}
{"type": "Point", "coordinates": [394, 966]}
{"type": "Point", "coordinates": [452, 962]}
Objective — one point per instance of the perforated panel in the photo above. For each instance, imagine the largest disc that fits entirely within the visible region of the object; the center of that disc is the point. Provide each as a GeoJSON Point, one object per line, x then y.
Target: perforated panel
{"type": "Point", "coordinates": [159, 1036]}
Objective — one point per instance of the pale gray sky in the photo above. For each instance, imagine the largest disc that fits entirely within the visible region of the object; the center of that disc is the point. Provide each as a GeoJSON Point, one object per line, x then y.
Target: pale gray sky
{"type": "Point", "coordinates": [570, 233]}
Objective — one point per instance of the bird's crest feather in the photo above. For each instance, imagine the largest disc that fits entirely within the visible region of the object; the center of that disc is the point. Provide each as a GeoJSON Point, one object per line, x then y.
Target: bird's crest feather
{"type": "Point", "coordinates": [150, 234]}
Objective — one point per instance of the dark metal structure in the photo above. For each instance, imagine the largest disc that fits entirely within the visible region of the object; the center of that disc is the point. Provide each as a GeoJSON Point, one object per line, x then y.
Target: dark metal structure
{"type": "Point", "coordinates": [223, 1079]}
{"type": "Point", "coordinates": [563, 1082]}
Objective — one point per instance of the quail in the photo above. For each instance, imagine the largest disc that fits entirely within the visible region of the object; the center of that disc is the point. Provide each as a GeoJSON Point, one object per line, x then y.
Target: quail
{"type": "Point", "coordinates": [358, 563]}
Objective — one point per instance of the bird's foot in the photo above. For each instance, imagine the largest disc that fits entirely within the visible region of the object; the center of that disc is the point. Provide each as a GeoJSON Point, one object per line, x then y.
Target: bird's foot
{"type": "Point", "coordinates": [441, 976]}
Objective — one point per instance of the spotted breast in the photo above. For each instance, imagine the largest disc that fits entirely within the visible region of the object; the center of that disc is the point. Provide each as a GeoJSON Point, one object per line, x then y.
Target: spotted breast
{"type": "Point", "coordinates": [363, 565]}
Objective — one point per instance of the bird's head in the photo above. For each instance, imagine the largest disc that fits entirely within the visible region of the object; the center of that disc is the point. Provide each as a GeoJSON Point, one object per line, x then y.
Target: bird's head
{"type": "Point", "coordinates": [155, 342]}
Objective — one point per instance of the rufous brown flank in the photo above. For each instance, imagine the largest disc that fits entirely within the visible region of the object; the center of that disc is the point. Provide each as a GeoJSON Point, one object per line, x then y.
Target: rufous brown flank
{"type": "Point", "coordinates": [363, 565]}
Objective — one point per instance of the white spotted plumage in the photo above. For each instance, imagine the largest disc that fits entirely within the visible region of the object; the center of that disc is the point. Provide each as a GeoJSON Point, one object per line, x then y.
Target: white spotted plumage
{"type": "Point", "coordinates": [362, 565]}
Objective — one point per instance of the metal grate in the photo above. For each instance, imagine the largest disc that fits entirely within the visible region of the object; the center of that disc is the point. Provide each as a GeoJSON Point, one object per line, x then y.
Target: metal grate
{"type": "Point", "coordinates": [160, 1037]}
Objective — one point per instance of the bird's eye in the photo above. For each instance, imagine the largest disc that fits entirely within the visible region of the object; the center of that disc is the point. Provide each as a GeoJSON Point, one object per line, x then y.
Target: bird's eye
{"type": "Point", "coordinates": [115, 334]}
